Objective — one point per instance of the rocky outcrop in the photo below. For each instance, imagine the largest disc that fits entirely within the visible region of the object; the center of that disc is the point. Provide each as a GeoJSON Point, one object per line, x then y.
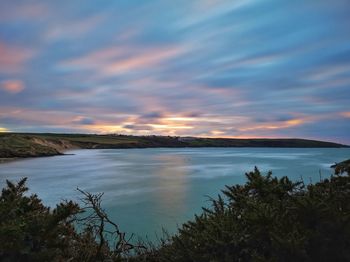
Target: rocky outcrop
{"type": "Point", "coordinates": [342, 167]}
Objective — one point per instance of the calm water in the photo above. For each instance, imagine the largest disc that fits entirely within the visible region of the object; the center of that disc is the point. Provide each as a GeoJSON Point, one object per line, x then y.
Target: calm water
{"type": "Point", "coordinates": [147, 189]}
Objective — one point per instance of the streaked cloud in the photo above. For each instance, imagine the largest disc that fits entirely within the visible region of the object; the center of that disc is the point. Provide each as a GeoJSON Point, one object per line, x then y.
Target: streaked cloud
{"type": "Point", "coordinates": [14, 11]}
{"type": "Point", "coordinates": [195, 68]}
{"type": "Point", "coordinates": [122, 60]}
{"type": "Point", "coordinates": [345, 114]}
{"type": "Point", "coordinates": [80, 120]}
{"type": "Point", "coordinates": [12, 58]}
{"type": "Point", "coordinates": [73, 29]}
{"type": "Point", "coordinates": [12, 86]}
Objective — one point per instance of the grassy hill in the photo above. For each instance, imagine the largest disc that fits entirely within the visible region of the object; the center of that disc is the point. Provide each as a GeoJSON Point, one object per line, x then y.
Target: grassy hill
{"type": "Point", "coordinates": [14, 145]}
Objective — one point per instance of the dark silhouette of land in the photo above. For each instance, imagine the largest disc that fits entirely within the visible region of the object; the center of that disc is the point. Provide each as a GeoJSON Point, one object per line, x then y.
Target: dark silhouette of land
{"type": "Point", "coordinates": [20, 145]}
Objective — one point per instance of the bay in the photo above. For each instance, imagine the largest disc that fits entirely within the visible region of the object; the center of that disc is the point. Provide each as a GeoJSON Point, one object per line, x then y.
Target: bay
{"type": "Point", "coordinates": [146, 190]}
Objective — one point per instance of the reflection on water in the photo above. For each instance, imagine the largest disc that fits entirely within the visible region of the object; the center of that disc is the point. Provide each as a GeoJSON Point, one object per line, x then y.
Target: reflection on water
{"type": "Point", "coordinates": [147, 189]}
{"type": "Point", "coordinates": [172, 183]}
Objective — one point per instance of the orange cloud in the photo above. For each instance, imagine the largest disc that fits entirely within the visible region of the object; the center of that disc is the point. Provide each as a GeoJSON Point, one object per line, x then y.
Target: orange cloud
{"type": "Point", "coordinates": [271, 126]}
{"type": "Point", "coordinates": [345, 114]}
{"type": "Point", "coordinates": [12, 86]}
{"type": "Point", "coordinates": [13, 58]}
{"type": "Point", "coordinates": [217, 133]}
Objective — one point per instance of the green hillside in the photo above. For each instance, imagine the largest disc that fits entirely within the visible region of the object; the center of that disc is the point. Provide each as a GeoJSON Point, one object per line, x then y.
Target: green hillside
{"type": "Point", "coordinates": [14, 145]}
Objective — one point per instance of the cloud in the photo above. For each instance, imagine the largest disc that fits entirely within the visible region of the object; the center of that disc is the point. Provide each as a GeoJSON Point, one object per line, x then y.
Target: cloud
{"type": "Point", "coordinates": [83, 121]}
{"type": "Point", "coordinates": [23, 115]}
{"type": "Point", "coordinates": [122, 60]}
{"type": "Point", "coordinates": [12, 58]}
{"type": "Point", "coordinates": [12, 86]}
{"type": "Point", "coordinates": [142, 128]}
{"type": "Point", "coordinates": [143, 61]}
{"type": "Point", "coordinates": [207, 68]}
{"type": "Point", "coordinates": [73, 29]}
{"type": "Point", "coordinates": [24, 11]}
{"type": "Point", "coordinates": [345, 114]}
{"type": "Point", "coordinates": [274, 125]}
{"type": "Point", "coordinates": [152, 115]}
{"type": "Point", "coordinates": [207, 10]}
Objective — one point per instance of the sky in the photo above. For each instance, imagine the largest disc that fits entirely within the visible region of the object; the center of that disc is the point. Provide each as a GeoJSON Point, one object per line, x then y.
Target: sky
{"type": "Point", "coordinates": [209, 68]}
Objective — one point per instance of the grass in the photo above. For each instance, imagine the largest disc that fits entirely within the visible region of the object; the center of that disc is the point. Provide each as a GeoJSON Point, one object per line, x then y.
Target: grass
{"type": "Point", "coordinates": [27, 144]}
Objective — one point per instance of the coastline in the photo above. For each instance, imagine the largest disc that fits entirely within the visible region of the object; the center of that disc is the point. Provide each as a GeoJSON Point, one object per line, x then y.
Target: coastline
{"type": "Point", "coordinates": [16, 146]}
{"type": "Point", "coordinates": [7, 160]}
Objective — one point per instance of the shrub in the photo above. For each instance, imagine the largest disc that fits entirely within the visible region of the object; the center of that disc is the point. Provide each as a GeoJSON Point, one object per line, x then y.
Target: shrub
{"type": "Point", "coordinates": [30, 231]}
{"type": "Point", "coordinates": [267, 219]}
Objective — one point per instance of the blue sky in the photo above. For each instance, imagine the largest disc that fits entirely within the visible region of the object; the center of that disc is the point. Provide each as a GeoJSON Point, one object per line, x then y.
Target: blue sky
{"type": "Point", "coordinates": [243, 68]}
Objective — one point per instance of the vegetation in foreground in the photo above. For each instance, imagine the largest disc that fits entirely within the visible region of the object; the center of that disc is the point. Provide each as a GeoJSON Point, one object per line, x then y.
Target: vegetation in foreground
{"type": "Point", "coordinates": [14, 145]}
{"type": "Point", "coordinates": [267, 219]}
{"type": "Point", "coordinates": [342, 167]}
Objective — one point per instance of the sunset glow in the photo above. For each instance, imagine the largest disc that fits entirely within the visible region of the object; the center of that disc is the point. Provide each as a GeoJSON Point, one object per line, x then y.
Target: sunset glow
{"type": "Point", "coordinates": [184, 68]}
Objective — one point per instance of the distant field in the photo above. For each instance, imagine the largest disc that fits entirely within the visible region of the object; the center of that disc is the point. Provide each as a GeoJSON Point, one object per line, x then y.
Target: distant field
{"type": "Point", "coordinates": [13, 145]}
{"type": "Point", "coordinates": [93, 139]}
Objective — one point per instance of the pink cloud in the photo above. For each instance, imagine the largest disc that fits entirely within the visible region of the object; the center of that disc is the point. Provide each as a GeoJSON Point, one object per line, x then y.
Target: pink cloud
{"type": "Point", "coordinates": [119, 59]}
{"type": "Point", "coordinates": [297, 121]}
{"type": "Point", "coordinates": [48, 117]}
{"type": "Point", "coordinates": [12, 86]}
{"type": "Point", "coordinates": [144, 60]}
{"type": "Point", "coordinates": [345, 114]}
{"type": "Point", "coordinates": [13, 58]}
{"type": "Point", "coordinates": [95, 59]}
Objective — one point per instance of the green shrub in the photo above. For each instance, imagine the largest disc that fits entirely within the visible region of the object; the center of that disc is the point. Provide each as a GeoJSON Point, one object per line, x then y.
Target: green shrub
{"type": "Point", "coordinates": [29, 231]}
{"type": "Point", "coordinates": [266, 219]}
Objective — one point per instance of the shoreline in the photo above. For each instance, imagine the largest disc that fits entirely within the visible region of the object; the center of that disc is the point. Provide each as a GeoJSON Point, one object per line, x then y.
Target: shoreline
{"type": "Point", "coordinates": [16, 146]}
{"type": "Point", "coordinates": [4, 160]}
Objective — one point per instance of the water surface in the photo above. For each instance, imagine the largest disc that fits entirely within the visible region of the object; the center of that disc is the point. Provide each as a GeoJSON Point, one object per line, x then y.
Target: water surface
{"type": "Point", "coordinates": [147, 189]}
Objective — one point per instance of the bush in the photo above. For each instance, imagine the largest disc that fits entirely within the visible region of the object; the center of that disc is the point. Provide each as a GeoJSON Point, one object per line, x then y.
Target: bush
{"type": "Point", "coordinates": [267, 219]}
{"type": "Point", "coordinates": [29, 231]}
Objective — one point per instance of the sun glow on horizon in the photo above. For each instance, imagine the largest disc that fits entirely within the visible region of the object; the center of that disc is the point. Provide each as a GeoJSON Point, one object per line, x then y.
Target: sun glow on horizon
{"type": "Point", "coordinates": [179, 74]}
{"type": "Point", "coordinates": [4, 130]}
